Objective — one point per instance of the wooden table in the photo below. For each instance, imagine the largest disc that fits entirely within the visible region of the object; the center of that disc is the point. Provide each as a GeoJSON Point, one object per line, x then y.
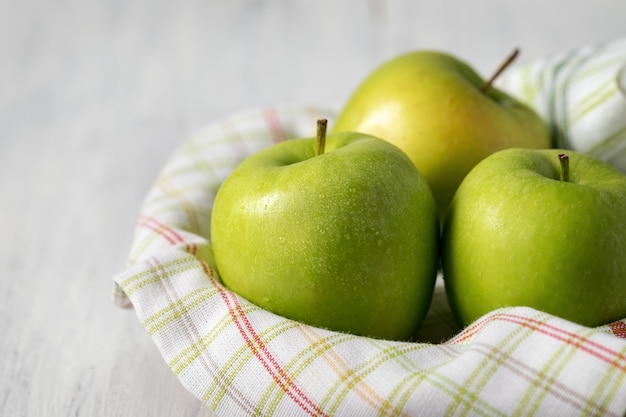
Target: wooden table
{"type": "Point", "coordinates": [95, 95]}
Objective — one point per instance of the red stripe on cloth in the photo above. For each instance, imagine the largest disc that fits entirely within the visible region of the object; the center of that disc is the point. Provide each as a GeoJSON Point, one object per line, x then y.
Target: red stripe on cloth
{"type": "Point", "coordinates": [162, 230]}
{"type": "Point", "coordinates": [167, 233]}
{"type": "Point", "coordinates": [469, 332]}
{"type": "Point", "coordinates": [614, 358]}
{"type": "Point", "coordinates": [618, 328]}
{"type": "Point", "coordinates": [270, 363]}
{"type": "Point", "coordinates": [595, 349]}
{"type": "Point", "coordinates": [273, 124]}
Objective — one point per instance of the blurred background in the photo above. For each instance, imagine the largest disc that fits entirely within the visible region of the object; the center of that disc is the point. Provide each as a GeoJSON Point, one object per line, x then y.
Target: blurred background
{"type": "Point", "coordinates": [94, 97]}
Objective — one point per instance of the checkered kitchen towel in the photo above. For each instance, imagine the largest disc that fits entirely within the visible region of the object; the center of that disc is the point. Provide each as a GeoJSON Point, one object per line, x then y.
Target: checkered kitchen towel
{"type": "Point", "coordinates": [243, 361]}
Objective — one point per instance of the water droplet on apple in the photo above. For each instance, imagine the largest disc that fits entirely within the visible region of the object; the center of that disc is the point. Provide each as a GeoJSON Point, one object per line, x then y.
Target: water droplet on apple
{"type": "Point", "coordinates": [281, 239]}
{"type": "Point", "coordinates": [380, 243]}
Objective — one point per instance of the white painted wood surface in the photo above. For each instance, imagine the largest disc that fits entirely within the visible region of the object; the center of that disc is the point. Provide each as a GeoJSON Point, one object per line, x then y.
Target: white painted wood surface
{"type": "Point", "coordinates": [95, 95]}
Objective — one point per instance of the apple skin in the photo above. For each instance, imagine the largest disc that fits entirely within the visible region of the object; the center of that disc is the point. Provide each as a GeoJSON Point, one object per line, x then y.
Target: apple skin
{"type": "Point", "coordinates": [347, 240]}
{"type": "Point", "coordinates": [431, 106]}
{"type": "Point", "coordinates": [517, 235]}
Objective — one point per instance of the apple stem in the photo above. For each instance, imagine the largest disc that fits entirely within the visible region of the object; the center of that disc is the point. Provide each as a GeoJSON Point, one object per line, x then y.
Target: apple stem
{"type": "Point", "coordinates": [564, 160]}
{"type": "Point", "coordinates": [503, 66]}
{"type": "Point", "coordinates": [321, 136]}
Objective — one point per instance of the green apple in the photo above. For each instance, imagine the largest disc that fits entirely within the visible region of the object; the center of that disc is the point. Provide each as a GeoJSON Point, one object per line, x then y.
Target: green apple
{"type": "Point", "coordinates": [527, 228]}
{"type": "Point", "coordinates": [346, 238]}
{"type": "Point", "coordinates": [442, 114]}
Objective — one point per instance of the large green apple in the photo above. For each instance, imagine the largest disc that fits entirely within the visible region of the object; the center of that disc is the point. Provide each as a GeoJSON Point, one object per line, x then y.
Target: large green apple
{"type": "Point", "coordinates": [347, 239]}
{"type": "Point", "coordinates": [518, 234]}
{"type": "Point", "coordinates": [437, 109]}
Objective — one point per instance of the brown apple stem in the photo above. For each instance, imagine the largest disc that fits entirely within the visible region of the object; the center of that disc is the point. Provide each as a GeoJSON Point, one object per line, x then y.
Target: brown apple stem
{"type": "Point", "coordinates": [503, 66]}
{"type": "Point", "coordinates": [321, 136]}
{"type": "Point", "coordinates": [564, 160]}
